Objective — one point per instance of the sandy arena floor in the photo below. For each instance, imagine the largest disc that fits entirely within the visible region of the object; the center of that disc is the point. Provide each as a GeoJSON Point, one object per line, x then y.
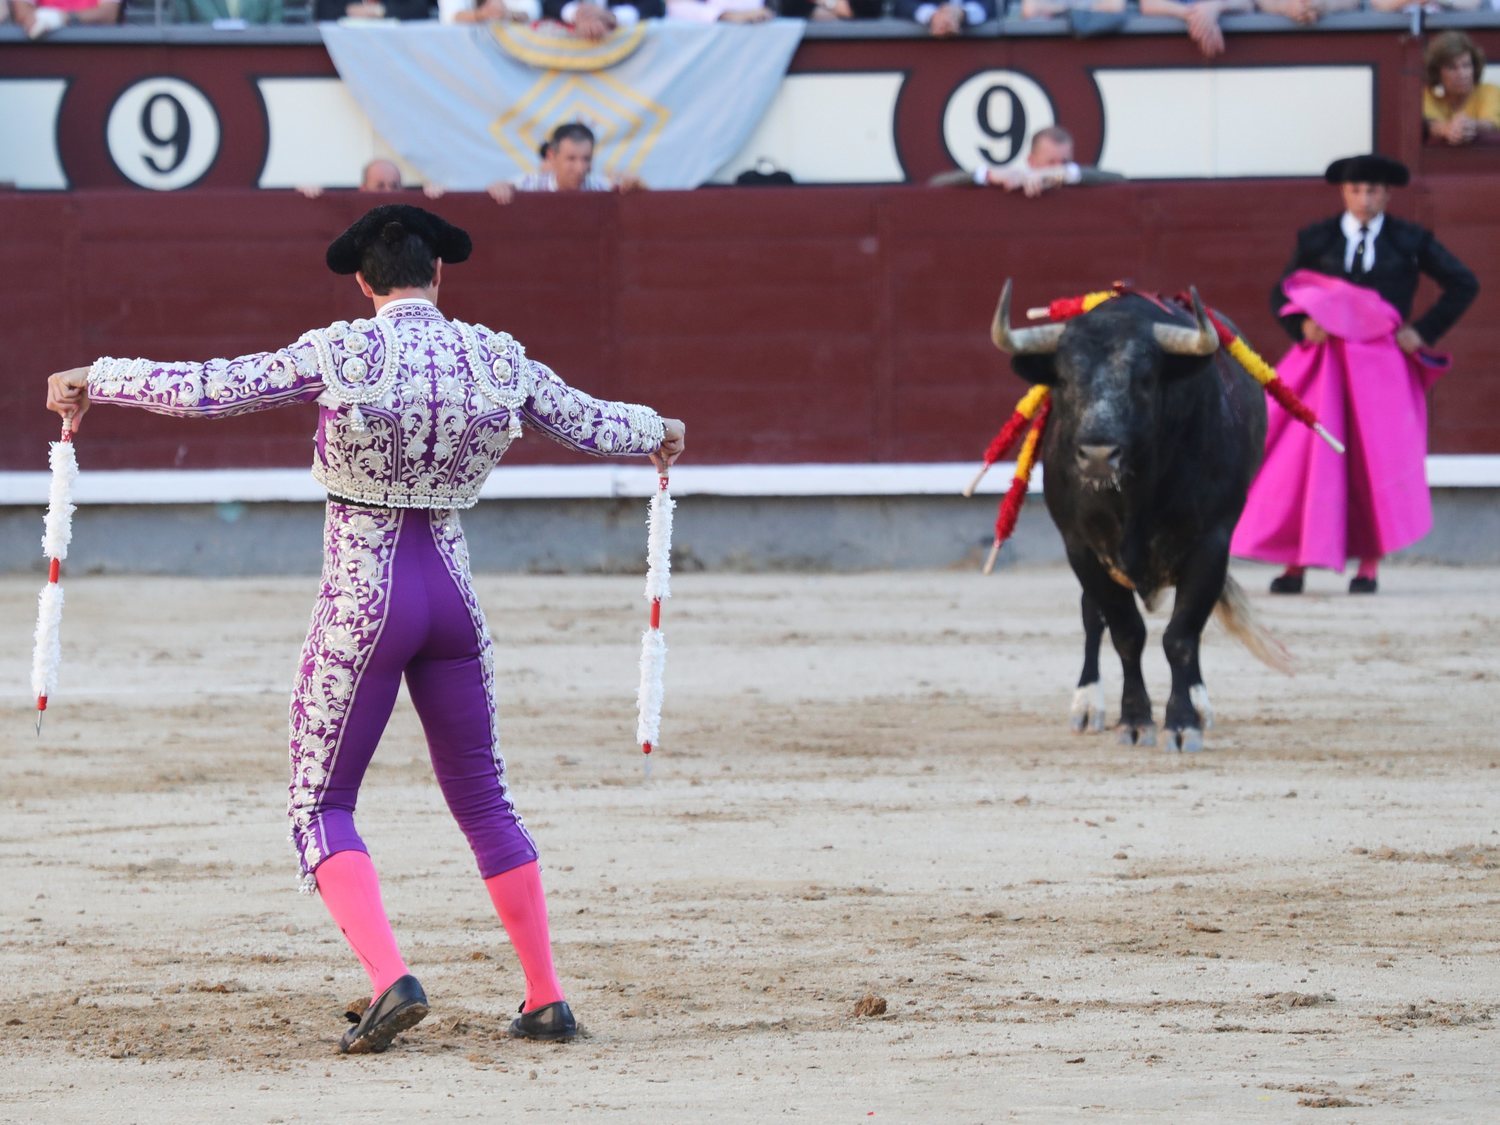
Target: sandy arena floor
{"type": "Point", "coordinates": [867, 787]}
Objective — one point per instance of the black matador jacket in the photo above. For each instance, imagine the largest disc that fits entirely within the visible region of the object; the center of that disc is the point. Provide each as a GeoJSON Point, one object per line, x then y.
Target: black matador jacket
{"type": "Point", "coordinates": [1403, 252]}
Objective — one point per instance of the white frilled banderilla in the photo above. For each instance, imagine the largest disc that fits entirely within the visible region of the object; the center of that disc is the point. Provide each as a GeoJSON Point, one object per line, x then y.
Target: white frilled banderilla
{"type": "Point", "coordinates": [47, 655]}
{"type": "Point", "coordinates": [658, 589]}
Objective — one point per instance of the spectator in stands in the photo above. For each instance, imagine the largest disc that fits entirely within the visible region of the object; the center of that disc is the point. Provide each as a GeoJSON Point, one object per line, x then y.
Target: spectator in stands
{"type": "Point", "coordinates": [244, 11]}
{"type": "Point", "coordinates": [1457, 108]}
{"type": "Point", "coordinates": [1430, 5]}
{"type": "Point", "coordinates": [567, 167]}
{"type": "Point", "coordinates": [594, 21]}
{"type": "Point", "coordinates": [826, 10]}
{"type": "Point", "coordinates": [1305, 11]}
{"type": "Point", "coordinates": [720, 11]}
{"type": "Point", "coordinates": [948, 18]}
{"type": "Point", "coordinates": [379, 175]}
{"type": "Point", "coordinates": [1049, 164]}
{"type": "Point", "coordinates": [1051, 9]}
{"type": "Point", "coordinates": [329, 10]}
{"type": "Point", "coordinates": [489, 11]}
{"type": "Point", "coordinates": [37, 17]}
{"type": "Point", "coordinates": [1201, 17]}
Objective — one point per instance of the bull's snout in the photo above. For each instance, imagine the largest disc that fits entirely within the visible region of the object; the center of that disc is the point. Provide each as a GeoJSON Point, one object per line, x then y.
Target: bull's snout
{"type": "Point", "coordinates": [1098, 462]}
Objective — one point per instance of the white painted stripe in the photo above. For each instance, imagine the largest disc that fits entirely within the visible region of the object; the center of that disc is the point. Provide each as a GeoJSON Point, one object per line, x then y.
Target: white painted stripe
{"type": "Point", "coordinates": [28, 154]}
{"type": "Point", "coordinates": [319, 136]}
{"type": "Point", "coordinates": [1234, 121]}
{"type": "Point", "coordinates": [827, 128]}
{"type": "Point", "coordinates": [583, 482]}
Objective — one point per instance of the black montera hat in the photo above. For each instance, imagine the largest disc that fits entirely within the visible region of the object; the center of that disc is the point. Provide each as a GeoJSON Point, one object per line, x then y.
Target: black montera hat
{"type": "Point", "coordinates": [448, 242]}
{"type": "Point", "coordinates": [1369, 169]}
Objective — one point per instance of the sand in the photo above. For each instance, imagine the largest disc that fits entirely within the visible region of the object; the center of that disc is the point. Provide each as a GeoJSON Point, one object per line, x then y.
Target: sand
{"type": "Point", "coordinates": [866, 792]}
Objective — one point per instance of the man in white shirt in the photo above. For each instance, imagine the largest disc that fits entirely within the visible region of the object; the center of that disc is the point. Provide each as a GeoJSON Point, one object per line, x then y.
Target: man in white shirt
{"type": "Point", "coordinates": [1049, 164]}
{"type": "Point", "coordinates": [568, 167]}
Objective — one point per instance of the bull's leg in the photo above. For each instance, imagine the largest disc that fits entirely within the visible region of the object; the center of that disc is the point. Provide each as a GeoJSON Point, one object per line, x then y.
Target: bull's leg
{"type": "Point", "coordinates": [1087, 711]}
{"type": "Point", "coordinates": [1128, 632]}
{"type": "Point", "coordinates": [1200, 581]}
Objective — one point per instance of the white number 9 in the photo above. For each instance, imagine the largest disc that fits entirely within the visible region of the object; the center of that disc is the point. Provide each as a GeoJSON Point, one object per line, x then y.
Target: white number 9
{"type": "Point", "coordinates": [163, 134]}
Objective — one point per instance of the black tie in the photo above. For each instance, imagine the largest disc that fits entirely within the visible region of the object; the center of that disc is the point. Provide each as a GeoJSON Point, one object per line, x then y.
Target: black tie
{"type": "Point", "coordinates": [1357, 267]}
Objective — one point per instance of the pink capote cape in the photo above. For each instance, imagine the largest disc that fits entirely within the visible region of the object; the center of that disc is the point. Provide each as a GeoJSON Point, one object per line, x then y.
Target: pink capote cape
{"type": "Point", "coordinates": [1309, 506]}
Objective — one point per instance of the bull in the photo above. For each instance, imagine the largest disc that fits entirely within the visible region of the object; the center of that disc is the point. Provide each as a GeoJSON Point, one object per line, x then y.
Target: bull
{"type": "Point", "coordinates": [1154, 437]}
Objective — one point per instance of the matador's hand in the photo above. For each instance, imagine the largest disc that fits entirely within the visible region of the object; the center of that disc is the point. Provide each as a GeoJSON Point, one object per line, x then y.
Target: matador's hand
{"type": "Point", "coordinates": [1410, 340]}
{"type": "Point", "coordinates": [673, 442]}
{"type": "Point", "coordinates": [1313, 332]}
{"type": "Point", "coordinates": [68, 394]}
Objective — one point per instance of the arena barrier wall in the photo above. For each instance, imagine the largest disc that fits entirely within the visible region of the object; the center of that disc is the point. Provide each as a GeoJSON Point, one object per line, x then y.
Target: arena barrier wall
{"type": "Point", "coordinates": [793, 325]}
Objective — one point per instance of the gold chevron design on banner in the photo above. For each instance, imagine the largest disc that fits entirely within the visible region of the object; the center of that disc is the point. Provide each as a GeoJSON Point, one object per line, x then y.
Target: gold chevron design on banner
{"type": "Point", "coordinates": [626, 124]}
{"type": "Point", "coordinates": [559, 50]}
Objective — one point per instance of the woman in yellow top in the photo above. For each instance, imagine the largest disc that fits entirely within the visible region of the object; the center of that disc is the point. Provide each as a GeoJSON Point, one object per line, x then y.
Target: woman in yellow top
{"type": "Point", "coordinates": [1457, 107]}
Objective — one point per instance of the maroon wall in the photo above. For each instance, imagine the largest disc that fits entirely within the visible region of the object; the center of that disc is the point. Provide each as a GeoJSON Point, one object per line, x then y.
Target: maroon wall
{"type": "Point", "coordinates": [783, 324]}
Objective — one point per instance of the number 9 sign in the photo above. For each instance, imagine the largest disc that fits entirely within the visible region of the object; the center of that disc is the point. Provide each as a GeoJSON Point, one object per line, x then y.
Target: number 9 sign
{"type": "Point", "coordinates": [163, 134]}
{"type": "Point", "coordinates": [989, 118]}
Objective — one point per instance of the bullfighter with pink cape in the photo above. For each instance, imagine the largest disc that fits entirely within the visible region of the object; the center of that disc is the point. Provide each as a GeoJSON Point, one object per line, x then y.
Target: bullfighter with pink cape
{"type": "Point", "coordinates": [1365, 372]}
{"type": "Point", "coordinates": [1309, 506]}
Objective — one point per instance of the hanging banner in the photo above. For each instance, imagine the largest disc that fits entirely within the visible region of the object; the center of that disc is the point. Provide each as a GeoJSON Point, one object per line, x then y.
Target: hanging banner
{"type": "Point", "coordinates": [669, 102]}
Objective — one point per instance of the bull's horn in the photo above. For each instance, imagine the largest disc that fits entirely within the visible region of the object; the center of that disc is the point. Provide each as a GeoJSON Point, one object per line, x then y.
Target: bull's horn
{"type": "Point", "coordinates": [1177, 340]}
{"type": "Point", "coordinates": [1023, 341]}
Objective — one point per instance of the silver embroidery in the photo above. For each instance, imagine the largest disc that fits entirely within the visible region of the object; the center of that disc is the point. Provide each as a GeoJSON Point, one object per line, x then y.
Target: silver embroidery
{"type": "Point", "coordinates": [359, 545]}
{"type": "Point", "coordinates": [417, 410]}
{"type": "Point", "coordinates": [220, 387]}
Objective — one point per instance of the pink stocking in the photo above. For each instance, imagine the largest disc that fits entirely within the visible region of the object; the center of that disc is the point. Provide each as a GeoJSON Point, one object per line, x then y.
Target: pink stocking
{"type": "Point", "coordinates": [518, 898]}
{"type": "Point", "coordinates": [1369, 568]}
{"type": "Point", "coordinates": [350, 890]}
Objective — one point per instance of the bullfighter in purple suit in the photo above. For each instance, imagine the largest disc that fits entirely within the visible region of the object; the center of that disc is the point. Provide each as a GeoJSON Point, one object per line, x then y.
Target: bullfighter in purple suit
{"type": "Point", "coordinates": [416, 409]}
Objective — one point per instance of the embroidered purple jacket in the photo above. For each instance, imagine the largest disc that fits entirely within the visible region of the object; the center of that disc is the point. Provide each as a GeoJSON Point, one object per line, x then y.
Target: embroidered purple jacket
{"type": "Point", "coordinates": [416, 409]}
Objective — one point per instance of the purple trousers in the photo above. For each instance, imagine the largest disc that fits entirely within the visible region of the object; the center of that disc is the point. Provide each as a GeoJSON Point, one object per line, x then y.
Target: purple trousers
{"type": "Point", "coordinates": [397, 600]}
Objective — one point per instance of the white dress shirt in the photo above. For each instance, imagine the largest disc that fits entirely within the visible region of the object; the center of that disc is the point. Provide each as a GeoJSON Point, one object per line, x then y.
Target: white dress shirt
{"type": "Point", "coordinates": [1350, 226]}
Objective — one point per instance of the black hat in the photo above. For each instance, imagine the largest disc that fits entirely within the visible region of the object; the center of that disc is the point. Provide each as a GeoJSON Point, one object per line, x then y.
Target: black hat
{"type": "Point", "coordinates": [448, 242]}
{"type": "Point", "coordinates": [1371, 169]}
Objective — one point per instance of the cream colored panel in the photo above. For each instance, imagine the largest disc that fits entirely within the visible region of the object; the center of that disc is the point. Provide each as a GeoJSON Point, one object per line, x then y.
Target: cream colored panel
{"type": "Point", "coordinates": [28, 151]}
{"type": "Point", "coordinates": [319, 136]}
{"type": "Point", "coordinates": [828, 128]}
{"type": "Point", "coordinates": [1246, 121]}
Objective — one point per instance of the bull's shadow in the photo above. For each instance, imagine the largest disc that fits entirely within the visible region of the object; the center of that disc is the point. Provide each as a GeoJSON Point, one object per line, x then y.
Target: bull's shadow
{"type": "Point", "coordinates": [1154, 436]}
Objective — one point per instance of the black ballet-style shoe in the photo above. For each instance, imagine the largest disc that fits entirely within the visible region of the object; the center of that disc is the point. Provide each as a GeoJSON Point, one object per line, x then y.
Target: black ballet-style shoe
{"type": "Point", "coordinates": [403, 1005]}
{"type": "Point", "coordinates": [1361, 585]}
{"type": "Point", "coordinates": [553, 1023]}
{"type": "Point", "coordinates": [1286, 584]}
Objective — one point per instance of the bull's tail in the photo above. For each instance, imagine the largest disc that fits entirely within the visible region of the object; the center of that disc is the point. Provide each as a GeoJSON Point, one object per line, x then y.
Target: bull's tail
{"type": "Point", "coordinates": [1239, 620]}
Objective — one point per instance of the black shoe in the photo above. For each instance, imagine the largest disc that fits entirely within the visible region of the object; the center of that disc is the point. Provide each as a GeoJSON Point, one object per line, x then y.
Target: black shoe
{"type": "Point", "coordinates": [1286, 584]}
{"type": "Point", "coordinates": [1358, 585]}
{"type": "Point", "coordinates": [399, 1007]}
{"type": "Point", "coordinates": [551, 1022]}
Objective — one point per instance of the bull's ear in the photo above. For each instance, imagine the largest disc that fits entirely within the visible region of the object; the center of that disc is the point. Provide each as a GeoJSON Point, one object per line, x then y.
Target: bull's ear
{"type": "Point", "coordinates": [1036, 368]}
{"type": "Point", "coordinates": [1185, 366]}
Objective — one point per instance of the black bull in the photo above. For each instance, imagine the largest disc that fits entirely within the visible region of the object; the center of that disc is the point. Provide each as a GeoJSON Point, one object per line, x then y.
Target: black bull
{"type": "Point", "coordinates": [1154, 437]}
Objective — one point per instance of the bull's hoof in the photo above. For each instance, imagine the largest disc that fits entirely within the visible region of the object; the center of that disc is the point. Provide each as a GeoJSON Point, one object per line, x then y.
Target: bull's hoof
{"type": "Point", "coordinates": [1189, 740]}
{"type": "Point", "coordinates": [1087, 710]}
{"type": "Point", "coordinates": [1198, 697]}
{"type": "Point", "coordinates": [1137, 734]}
